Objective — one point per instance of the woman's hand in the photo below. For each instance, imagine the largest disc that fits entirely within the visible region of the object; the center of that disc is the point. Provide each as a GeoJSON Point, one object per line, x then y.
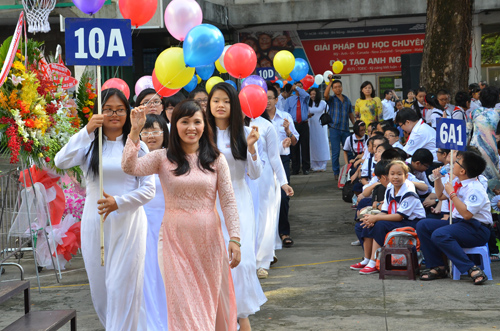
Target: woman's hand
{"type": "Point", "coordinates": [137, 119]}
{"type": "Point", "coordinates": [234, 253]}
{"type": "Point", "coordinates": [253, 136]}
{"type": "Point", "coordinates": [95, 122]}
{"type": "Point", "coordinates": [106, 205]}
{"type": "Point", "coordinates": [288, 190]}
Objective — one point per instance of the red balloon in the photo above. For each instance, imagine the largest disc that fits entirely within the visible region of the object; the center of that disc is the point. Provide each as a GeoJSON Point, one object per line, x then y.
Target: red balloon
{"type": "Point", "coordinates": [240, 60]}
{"type": "Point", "coordinates": [139, 12]}
{"type": "Point", "coordinates": [307, 82]}
{"type": "Point", "coordinates": [118, 84]}
{"type": "Point", "coordinates": [162, 90]}
{"type": "Point", "coordinates": [274, 80]}
{"type": "Point", "coordinates": [253, 100]}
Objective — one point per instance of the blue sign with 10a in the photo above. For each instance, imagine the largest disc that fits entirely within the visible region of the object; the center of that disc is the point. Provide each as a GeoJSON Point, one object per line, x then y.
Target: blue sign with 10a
{"type": "Point", "coordinates": [96, 41]}
{"type": "Point", "coordinates": [451, 134]}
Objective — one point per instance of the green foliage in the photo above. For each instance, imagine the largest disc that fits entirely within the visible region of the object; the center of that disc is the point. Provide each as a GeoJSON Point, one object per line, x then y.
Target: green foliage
{"type": "Point", "coordinates": [4, 49]}
{"type": "Point", "coordinates": [490, 48]}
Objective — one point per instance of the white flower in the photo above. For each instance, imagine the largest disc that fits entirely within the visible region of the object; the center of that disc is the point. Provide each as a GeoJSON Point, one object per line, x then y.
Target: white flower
{"type": "Point", "coordinates": [16, 80]}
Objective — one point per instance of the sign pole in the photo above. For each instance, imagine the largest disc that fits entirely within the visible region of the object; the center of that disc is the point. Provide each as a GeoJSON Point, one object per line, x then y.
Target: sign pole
{"type": "Point", "coordinates": [450, 265]}
{"type": "Point", "coordinates": [101, 188]}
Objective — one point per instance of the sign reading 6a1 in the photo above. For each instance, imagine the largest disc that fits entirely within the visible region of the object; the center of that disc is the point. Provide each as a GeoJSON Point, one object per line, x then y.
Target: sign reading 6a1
{"type": "Point", "coordinates": [451, 134]}
{"type": "Point", "coordinates": [96, 41]}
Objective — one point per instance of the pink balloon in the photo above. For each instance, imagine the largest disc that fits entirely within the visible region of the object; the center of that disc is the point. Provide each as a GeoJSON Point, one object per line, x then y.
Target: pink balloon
{"type": "Point", "coordinates": [181, 16]}
{"type": "Point", "coordinates": [118, 84]}
{"type": "Point", "coordinates": [143, 83]}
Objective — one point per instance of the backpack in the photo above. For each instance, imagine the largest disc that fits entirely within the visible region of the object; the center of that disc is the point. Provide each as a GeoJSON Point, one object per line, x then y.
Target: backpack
{"type": "Point", "coordinates": [347, 192]}
{"type": "Point", "coordinates": [344, 175]}
{"type": "Point", "coordinates": [400, 236]}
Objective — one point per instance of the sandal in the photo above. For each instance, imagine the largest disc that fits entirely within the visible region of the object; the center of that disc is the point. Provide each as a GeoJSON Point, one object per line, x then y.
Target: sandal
{"type": "Point", "coordinates": [438, 274]}
{"type": "Point", "coordinates": [494, 257]}
{"type": "Point", "coordinates": [479, 274]}
{"type": "Point", "coordinates": [286, 241]}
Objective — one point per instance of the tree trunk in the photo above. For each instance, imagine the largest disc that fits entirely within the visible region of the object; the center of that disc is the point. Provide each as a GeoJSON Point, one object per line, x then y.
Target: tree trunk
{"type": "Point", "coordinates": [447, 47]}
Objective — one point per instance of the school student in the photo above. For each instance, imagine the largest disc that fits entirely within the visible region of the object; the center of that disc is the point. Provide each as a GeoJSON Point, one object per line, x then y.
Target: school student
{"type": "Point", "coordinates": [421, 160]}
{"type": "Point", "coordinates": [392, 134]}
{"type": "Point", "coordinates": [419, 134]}
{"type": "Point", "coordinates": [471, 221]}
{"type": "Point", "coordinates": [435, 110]}
{"type": "Point", "coordinates": [401, 207]}
{"type": "Point", "coordinates": [369, 163]}
{"type": "Point", "coordinates": [354, 145]}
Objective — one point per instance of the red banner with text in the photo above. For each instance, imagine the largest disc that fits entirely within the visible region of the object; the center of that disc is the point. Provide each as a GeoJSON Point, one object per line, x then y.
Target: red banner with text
{"type": "Point", "coordinates": [362, 54]}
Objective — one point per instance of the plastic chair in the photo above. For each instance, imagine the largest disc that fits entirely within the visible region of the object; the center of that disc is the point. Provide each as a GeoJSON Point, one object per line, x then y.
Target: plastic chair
{"type": "Point", "coordinates": [386, 267]}
{"type": "Point", "coordinates": [484, 252]}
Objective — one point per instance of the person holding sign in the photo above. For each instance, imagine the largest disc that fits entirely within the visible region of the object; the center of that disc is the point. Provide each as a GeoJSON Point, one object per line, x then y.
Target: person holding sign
{"type": "Point", "coordinates": [420, 135]}
{"type": "Point", "coordinates": [472, 220]}
{"type": "Point", "coordinates": [117, 293]}
{"type": "Point", "coordinates": [192, 254]}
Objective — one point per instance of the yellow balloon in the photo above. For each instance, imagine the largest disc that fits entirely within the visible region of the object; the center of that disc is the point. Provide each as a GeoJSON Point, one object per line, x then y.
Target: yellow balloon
{"type": "Point", "coordinates": [284, 62]}
{"type": "Point", "coordinates": [212, 81]}
{"type": "Point", "coordinates": [337, 67]}
{"type": "Point", "coordinates": [220, 68]}
{"type": "Point", "coordinates": [199, 79]}
{"type": "Point", "coordinates": [171, 70]}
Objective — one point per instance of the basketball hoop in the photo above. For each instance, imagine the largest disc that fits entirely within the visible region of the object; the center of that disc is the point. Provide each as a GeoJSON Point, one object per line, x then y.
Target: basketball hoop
{"type": "Point", "coordinates": [37, 14]}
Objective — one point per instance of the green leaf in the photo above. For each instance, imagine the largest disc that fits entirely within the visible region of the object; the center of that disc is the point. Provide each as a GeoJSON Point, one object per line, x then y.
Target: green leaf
{"type": "Point", "coordinates": [4, 49]}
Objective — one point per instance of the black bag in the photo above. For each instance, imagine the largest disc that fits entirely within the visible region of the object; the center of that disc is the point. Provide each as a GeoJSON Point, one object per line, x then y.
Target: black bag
{"type": "Point", "coordinates": [325, 119]}
{"type": "Point", "coordinates": [347, 192]}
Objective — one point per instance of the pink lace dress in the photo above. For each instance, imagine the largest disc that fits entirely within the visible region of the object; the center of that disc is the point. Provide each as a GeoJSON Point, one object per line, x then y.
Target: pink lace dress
{"type": "Point", "coordinates": [192, 254]}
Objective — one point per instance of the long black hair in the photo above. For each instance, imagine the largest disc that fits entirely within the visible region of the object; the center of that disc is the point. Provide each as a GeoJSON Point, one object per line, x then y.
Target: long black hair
{"type": "Point", "coordinates": [207, 152]}
{"type": "Point", "coordinates": [94, 150]}
{"type": "Point", "coordinates": [151, 119]}
{"type": "Point", "coordinates": [317, 98]}
{"type": "Point", "coordinates": [432, 100]}
{"type": "Point", "coordinates": [236, 129]}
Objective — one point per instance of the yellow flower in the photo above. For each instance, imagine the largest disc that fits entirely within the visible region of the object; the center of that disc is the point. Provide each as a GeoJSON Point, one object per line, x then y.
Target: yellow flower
{"type": "Point", "coordinates": [18, 66]}
{"type": "Point", "coordinates": [40, 155]}
{"type": "Point", "coordinates": [3, 100]}
{"type": "Point", "coordinates": [90, 103]}
{"type": "Point", "coordinates": [39, 110]}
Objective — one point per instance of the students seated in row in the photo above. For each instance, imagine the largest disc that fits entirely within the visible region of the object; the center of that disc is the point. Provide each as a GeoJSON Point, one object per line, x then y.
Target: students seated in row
{"type": "Point", "coordinates": [354, 145]}
{"type": "Point", "coordinates": [471, 221]}
{"type": "Point", "coordinates": [420, 134]}
{"type": "Point", "coordinates": [421, 160]}
{"type": "Point", "coordinates": [401, 207]}
{"type": "Point", "coordinates": [392, 134]}
{"type": "Point", "coordinates": [434, 207]}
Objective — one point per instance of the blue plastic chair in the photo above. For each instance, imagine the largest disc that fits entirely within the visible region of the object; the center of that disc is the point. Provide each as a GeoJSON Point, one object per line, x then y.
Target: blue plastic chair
{"type": "Point", "coordinates": [484, 252]}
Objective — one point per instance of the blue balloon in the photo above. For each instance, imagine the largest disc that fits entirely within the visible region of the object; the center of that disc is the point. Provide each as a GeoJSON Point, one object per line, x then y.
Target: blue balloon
{"type": "Point", "coordinates": [292, 82]}
{"type": "Point", "coordinates": [192, 84]}
{"type": "Point", "coordinates": [205, 72]}
{"type": "Point", "coordinates": [314, 85]}
{"type": "Point", "coordinates": [203, 45]}
{"type": "Point", "coordinates": [233, 84]}
{"type": "Point", "coordinates": [300, 70]}
{"type": "Point", "coordinates": [280, 83]}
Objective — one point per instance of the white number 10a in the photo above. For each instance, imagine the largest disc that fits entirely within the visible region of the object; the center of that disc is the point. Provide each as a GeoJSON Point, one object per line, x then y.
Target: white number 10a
{"type": "Point", "coordinates": [96, 39]}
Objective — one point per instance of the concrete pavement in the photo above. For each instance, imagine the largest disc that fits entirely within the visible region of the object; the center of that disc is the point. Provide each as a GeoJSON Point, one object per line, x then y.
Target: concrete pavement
{"type": "Point", "coordinates": [311, 287]}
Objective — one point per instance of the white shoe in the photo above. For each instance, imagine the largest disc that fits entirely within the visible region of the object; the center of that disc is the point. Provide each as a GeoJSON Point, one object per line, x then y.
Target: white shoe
{"type": "Point", "coordinates": [262, 273]}
{"type": "Point", "coordinates": [356, 243]}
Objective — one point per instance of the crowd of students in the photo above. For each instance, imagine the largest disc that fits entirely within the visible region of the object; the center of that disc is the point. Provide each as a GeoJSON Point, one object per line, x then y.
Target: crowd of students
{"type": "Point", "coordinates": [399, 178]}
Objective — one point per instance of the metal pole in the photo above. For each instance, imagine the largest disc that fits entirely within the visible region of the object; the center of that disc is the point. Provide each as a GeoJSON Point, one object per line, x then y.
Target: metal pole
{"type": "Point", "coordinates": [101, 187]}
{"type": "Point", "coordinates": [450, 264]}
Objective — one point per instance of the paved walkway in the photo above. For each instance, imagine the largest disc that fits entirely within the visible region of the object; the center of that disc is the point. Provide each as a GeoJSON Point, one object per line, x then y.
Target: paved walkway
{"type": "Point", "coordinates": [311, 287]}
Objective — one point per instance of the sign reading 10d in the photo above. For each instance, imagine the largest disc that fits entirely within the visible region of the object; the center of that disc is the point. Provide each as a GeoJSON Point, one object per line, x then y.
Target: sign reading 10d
{"type": "Point", "coordinates": [95, 41]}
{"type": "Point", "coordinates": [451, 134]}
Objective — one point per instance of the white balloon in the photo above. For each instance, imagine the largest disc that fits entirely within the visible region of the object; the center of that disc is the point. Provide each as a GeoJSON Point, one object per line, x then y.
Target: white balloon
{"type": "Point", "coordinates": [318, 79]}
{"type": "Point", "coordinates": [325, 76]}
{"type": "Point", "coordinates": [221, 58]}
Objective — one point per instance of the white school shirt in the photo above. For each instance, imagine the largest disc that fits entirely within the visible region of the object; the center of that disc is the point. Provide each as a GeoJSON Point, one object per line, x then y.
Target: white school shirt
{"type": "Point", "coordinates": [366, 170]}
{"type": "Point", "coordinates": [359, 144]}
{"type": "Point", "coordinates": [388, 109]}
{"type": "Point", "coordinates": [397, 144]}
{"type": "Point", "coordinates": [435, 114]}
{"type": "Point", "coordinates": [422, 136]}
{"type": "Point", "coordinates": [277, 121]}
{"type": "Point", "coordinates": [445, 206]}
{"type": "Point", "coordinates": [407, 202]}
{"type": "Point", "coordinates": [411, 178]}
{"type": "Point", "coordinates": [449, 109]}
{"type": "Point", "coordinates": [422, 177]}
{"type": "Point", "coordinates": [459, 114]}
{"type": "Point", "coordinates": [474, 195]}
